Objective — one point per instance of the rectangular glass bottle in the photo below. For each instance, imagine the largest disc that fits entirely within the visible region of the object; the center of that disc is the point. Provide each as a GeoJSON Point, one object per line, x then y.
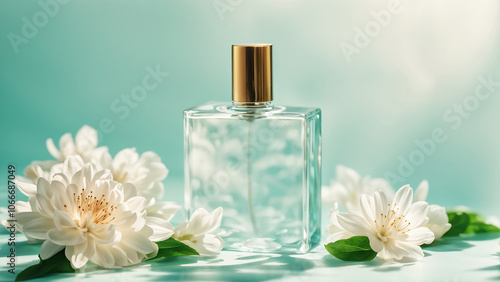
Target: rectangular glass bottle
{"type": "Point", "coordinates": [261, 163]}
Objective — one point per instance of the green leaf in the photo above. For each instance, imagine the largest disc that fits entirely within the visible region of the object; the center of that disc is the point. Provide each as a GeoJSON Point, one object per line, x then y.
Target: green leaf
{"type": "Point", "coordinates": [459, 222]}
{"type": "Point", "coordinates": [480, 227]}
{"type": "Point", "coordinates": [468, 223]}
{"type": "Point", "coordinates": [173, 248]}
{"type": "Point", "coordinates": [58, 263]}
{"type": "Point", "coordinates": [356, 248]}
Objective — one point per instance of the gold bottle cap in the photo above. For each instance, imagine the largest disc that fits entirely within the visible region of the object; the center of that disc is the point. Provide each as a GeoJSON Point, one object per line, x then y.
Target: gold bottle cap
{"type": "Point", "coordinates": [252, 73]}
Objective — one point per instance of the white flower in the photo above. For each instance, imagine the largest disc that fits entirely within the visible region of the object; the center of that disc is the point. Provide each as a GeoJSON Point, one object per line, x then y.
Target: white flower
{"type": "Point", "coordinates": [348, 187]}
{"type": "Point", "coordinates": [71, 164]}
{"type": "Point", "coordinates": [84, 145]}
{"type": "Point", "coordinates": [394, 229]}
{"type": "Point", "coordinates": [422, 191]}
{"type": "Point", "coordinates": [39, 169]}
{"type": "Point", "coordinates": [196, 233]}
{"type": "Point", "coordinates": [146, 172]}
{"type": "Point", "coordinates": [335, 231]}
{"type": "Point", "coordinates": [92, 217]}
{"type": "Point", "coordinates": [438, 219]}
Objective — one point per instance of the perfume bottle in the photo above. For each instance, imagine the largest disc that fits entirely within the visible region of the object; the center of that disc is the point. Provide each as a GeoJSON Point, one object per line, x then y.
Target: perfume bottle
{"type": "Point", "coordinates": [259, 161]}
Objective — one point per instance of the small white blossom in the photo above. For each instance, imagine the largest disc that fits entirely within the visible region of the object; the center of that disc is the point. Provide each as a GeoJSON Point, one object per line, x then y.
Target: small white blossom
{"type": "Point", "coordinates": [146, 173]}
{"type": "Point", "coordinates": [438, 218]}
{"type": "Point", "coordinates": [348, 187]}
{"type": "Point", "coordinates": [84, 145]}
{"type": "Point", "coordinates": [197, 232]}
{"type": "Point", "coordinates": [335, 231]}
{"type": "Point", "coordinates": [395, 230]}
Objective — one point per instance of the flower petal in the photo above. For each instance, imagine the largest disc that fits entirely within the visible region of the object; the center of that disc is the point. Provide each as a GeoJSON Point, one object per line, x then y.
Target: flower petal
{"type": "Point", "coordinates": [420, 235]}
{"type": "Point", "coordinates": [43, 204]}
{"type": "Point", "coordinates": [124, 158]}
{"type": "Point", "coordinates": [119, 256]}
{"type": "Point", "coordinates": [418, 213]}
{"type": "Point", "coordinates": [438, 221]}
{"type": "Point", "coordinates": [86, 139]}
{"type": "Point", "coordinates": [158, 171]}
{"type": "Point", "coordinates": [138, 242]}
{"type": "Point", "coordinates": [49, 249]}
{"type": "Point", "coordinates": [162, 229]}
{"type": "Point", "coordinates": [403, 199]}
{"type": "Point", "coordinates": [63, 220]}
{"type": "Point", "coordinates": [367, 204]}
{"type": "Point", "coordinates": [129, 191]}
{"type": "Point", "coordinates": [354, 224]}
{"type": "Point", "coordinates": [72, 164]}
{"type": "Point", "coordinates": [206, 244]}
{"type": "Point", "coordinates": [78, 255]}
{"type": "Point", "coordinates": [103, 256]}
{"type": "Point", "coordinates": [375, 243]}
{"type": "Point", "coordinates": [51, 147]}
{"type": "Point", "coordinates": [66, 146]}
{"type": "Point", "coordinates": [106, 235]}
{"type": "Point", "coordinates": [66, 236]}
{"type": "Point", "coordinates": [136, 204]}
{"type": "Point", "coordinates": [34, 224]}
{"type": "Point", "coordinates": [421, 191]}
{"type": "Point", "coordinates": [28, 189]}
{"type": "Point", "coordinates": [392, 251]}
{"type": "Point", "coordinates": [379, 184]}
{"type": "Point", "coordinates": [414, 252]}
{"type": "Point", "coordinates": [336, 234]}
{"type": "Point", "coordinates": [202, 222]}
{"type": "Point", "coordinates": [165, 210]}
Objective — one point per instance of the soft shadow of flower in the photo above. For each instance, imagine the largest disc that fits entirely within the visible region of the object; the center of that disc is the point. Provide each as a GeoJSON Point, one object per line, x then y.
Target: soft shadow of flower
{"type": "Point", "coordinates": [493, 267]}
{"type": "Point", "coordinates": [235, 267]}
{"type": "Point", "coordinates": [448, 245]}
{"type": "Point", "coordinates": [376, 264]}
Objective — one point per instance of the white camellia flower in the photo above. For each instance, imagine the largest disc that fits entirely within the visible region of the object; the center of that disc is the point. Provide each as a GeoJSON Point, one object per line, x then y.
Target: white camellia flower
{"type": "Point", "coordinates": [438, 218]}
{"type": "Point", "coordinates": [394, 229]}
{"type": "Point", "coordinates": [348, 187]}
{"type": "Point", "coordinates": [196, 233]}
{"type": "Point", "coordinates": [146, 173]}
{"type": "Point", "coordinates": [84, 145]}
{"type": "Point", "coordinates": [92, 217]}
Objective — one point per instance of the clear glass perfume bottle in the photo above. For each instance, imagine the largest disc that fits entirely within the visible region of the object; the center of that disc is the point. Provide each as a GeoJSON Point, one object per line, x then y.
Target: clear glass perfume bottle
{"type": "Point", "coordinates": [259, 161]}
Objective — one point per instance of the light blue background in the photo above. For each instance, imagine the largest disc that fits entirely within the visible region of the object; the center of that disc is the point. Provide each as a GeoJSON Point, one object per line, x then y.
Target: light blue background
{"type": "Point", "coordinates": [395, 91]}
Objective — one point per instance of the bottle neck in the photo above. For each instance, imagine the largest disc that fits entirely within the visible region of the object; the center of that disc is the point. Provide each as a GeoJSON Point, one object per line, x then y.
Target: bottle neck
{"type": "Point", "coordinates": [252, 105]}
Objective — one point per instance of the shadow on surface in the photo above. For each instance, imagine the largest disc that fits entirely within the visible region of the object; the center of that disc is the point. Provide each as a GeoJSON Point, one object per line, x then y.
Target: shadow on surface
{"type": "Point", "coordinates": [455, 244]}
{"type": "Point", "coordinates": [259, 267]}
{"type": "Point", "coordinates": [377, 264]}
{"type": "Point", "coordinates": [493, 267]}
{"type": "Point", "coordinates": [481, 237]}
